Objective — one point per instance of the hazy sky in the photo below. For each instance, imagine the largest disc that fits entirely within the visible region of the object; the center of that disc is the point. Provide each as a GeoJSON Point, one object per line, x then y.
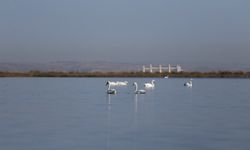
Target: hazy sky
{"type": "Point", "coordinates": [167, 31]}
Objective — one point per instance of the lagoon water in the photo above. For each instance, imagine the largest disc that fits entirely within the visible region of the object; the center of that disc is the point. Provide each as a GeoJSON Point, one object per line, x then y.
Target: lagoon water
{"type": "Point", "coordinates": [77, 114]}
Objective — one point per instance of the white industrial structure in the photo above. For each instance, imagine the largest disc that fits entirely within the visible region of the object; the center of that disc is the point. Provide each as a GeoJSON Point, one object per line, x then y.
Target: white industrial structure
{"type": "Point", "coordinates": [161, 68]}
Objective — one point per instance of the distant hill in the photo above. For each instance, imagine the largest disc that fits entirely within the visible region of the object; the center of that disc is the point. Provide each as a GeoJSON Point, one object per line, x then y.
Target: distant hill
{"type": "Point", "coordinates": [111, 66]}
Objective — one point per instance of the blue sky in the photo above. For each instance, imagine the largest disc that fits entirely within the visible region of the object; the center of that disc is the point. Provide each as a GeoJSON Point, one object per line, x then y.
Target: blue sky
{"type": "Point", "coordinates": [151, 31]}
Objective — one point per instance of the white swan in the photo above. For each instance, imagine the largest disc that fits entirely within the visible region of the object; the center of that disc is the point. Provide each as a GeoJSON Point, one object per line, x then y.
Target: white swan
{"type": "Point", "coordinates": [150, 85]}
{"type": "Point", "coordinates": [112, 83]}
{"type": "Point", "coordinates": [110, 91]}
{"type": "Point", "coordinates": [122, 83]}
{"type": "Point", "coordinates": [189, 83]}
{"type": "Point", "coordinates": [138, 91]}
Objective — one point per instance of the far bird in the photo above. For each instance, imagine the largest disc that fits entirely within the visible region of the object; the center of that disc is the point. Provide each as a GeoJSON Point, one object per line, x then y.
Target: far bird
{"type": "Point", "coordinates": [150, 85]}
{"type": "Point", "coordinates": [189, 83]}
{"type": "Point", "coordinates": [138, 91]}
{"type": "Point", "coordinates": [166, 77]}
{"type": "Point", "coordinates": [110, 91]}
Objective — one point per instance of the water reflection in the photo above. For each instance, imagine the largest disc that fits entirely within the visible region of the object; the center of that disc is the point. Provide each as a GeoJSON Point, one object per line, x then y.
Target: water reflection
{"type": "Point", "coordinates": [135, 120]}
{"type": "Point", "coordinates": [110, 142]}
{"type": "Point", "coordinates": [109, 101]}
{"type": "Point", "coordinates": [136, 103]}
{"type": "Point", "coordinates": [108, 132]}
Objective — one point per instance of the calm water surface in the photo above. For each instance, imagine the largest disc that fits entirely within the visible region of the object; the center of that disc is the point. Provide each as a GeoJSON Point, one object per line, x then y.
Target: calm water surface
{"type": "Point", "coordinates": [77, 114]}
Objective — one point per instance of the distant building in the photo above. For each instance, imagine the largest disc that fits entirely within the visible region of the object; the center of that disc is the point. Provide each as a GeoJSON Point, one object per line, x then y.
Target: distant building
{"type": "Point", "coordinates": [161, 68]}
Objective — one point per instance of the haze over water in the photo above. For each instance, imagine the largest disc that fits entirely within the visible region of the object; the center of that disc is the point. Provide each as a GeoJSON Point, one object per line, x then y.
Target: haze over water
{"type": "Point", "coordinates": [194, 33]}
{"type": "Point", "coordinates": [76, 113]}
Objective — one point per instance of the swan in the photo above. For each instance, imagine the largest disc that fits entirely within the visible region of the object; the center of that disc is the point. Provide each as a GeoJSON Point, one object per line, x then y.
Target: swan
{"type": "Point", "coordinates": [150, 85]}
{"type": "Point", "coordinates": [189, 83]}
{"type": "Point", "coordinates": [110, 91]}
{"type": "Point", "coordinates": [122, 83]}
{"type": "Point", "coordinates": [112, 83]}
{"type": "Point", "coordinates": [138, 91]}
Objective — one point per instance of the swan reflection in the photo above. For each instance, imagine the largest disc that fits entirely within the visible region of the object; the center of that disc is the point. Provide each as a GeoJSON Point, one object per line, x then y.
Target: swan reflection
{"type": "Point", "coordinates": [108, 127]}
{"type": "Point", "coordinates": [136, 103]}
{"type": "Point", "coordinates": [111, 111]}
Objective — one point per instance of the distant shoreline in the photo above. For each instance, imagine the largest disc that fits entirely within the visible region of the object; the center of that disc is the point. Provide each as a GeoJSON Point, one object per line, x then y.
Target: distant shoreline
{"type": "Point", "coordinates": [213, 74]}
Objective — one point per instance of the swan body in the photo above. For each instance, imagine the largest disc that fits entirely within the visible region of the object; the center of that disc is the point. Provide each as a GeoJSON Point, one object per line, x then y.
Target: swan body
{"type": "Point", "coordinates": [112, 83]}
{"type": "Point", "coordinates": [150, 85]}
{"type": "Point", "coordinates": [138, 91]}
{"type": "Point", "coordinates": [122, 83]}
{"type": "Point", "coordinates": [118, 83]}
{"type": "Point", "coordinates": [110, 91]}
{"type": "Point", "coordinates": [189, 83]}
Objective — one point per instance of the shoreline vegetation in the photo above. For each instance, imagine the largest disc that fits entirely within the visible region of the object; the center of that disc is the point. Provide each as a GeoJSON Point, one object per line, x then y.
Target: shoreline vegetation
{"type": "Point", "coordinates": [212, 74]}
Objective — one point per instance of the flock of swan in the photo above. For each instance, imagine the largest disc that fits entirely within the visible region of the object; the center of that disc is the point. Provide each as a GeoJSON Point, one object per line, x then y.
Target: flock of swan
{"type": "Point", "coordinates": [149, 85]}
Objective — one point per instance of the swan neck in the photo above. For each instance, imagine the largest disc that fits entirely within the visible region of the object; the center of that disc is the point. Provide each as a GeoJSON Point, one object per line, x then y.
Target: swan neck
{"type": "Point", "coordinates": [136, 88]}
